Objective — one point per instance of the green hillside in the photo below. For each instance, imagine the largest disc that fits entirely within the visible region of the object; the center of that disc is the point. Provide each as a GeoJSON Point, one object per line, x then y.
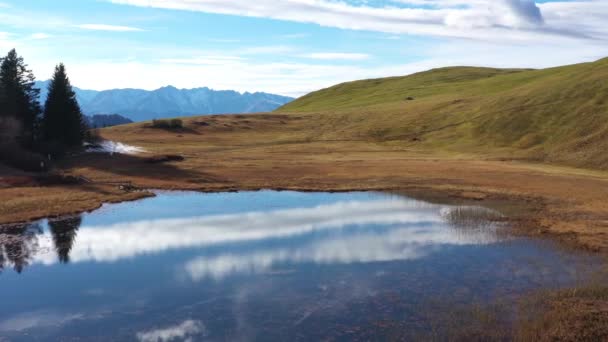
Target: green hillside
{"type": "Point", "coordinates": [556, 115]}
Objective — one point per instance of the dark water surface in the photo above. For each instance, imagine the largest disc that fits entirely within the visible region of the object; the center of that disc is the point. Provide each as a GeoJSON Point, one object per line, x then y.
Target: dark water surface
{"type": "Point", "coordinates": [265, 266]}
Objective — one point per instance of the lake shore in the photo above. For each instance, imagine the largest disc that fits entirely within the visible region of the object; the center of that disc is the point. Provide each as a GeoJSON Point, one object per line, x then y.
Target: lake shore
{"type": "Point", "coordinates": [230, 153]}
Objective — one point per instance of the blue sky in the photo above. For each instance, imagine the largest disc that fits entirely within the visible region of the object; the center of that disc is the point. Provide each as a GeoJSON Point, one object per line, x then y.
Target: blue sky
{"type": "Point", "coordinates": [292, 47]}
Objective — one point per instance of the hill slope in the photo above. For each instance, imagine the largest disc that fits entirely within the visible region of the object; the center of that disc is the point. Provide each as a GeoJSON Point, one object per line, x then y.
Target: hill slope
{"type": "Point", "coordinates": [142, 105]}
{"type": "Point", "coordinates": [557, 114]}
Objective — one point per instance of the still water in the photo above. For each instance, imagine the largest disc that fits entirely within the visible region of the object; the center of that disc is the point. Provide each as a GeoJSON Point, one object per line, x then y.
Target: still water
{"type": "Point", "coordinates": [264, 266]}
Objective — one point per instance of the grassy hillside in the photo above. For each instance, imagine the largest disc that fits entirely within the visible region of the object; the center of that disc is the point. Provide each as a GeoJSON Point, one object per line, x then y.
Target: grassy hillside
{"type": "Point", "coordinates": [556, 115]}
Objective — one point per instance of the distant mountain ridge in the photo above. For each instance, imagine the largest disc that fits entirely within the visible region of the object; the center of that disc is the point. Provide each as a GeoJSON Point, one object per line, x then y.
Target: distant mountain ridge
{"type": "Point", "coordinates": [142, 105]}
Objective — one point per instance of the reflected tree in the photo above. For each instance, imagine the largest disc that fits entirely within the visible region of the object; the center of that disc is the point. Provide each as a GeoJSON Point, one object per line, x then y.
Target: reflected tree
{"type": "Point", "coordinates": [64, 233]}
{"type": "Point", "coordinates": [18, 245]}
{"type": "Point", "coordinates": [2, 257]}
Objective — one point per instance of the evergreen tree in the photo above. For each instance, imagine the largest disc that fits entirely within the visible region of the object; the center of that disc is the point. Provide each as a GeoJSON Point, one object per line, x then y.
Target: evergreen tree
{"type": "Point", "coordinates": [18, 97]}
{"type": "Point", "coordinates": [62, 121]}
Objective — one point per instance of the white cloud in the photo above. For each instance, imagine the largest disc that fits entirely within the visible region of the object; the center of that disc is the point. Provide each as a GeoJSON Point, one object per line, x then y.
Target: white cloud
{"type": "Point", "coordinates": [6, 42]}
{"type": "Point", "coordinates": [337, 56]}
{"type": "Point", "coordinates": [292, 78]}
{"type": "Point", "coordinates": [40, 36]}
{"type": "Point", "coordinates": [495, 20]}
{"type": "Point", "coordinates": [217, 60]}
{"type": "Point", "coordinates": [267, 50]}
{"type": "Point", "coordinates": [294, 36]}
{"type": "Point", "coordinates": [509, 34]}
{"type": "Point", "coordinates": [111, 28]}
{"type": "Point", "coordinates": [182, 331]}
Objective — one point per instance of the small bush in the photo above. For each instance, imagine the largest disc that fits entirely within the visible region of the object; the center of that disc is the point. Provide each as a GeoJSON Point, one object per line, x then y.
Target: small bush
{"type": "Point", "coordinates": [176, 123]}
{"type": "Point", "coordinates": [160, 123]}
{"type": "Point", "coordinates": [168, 124]}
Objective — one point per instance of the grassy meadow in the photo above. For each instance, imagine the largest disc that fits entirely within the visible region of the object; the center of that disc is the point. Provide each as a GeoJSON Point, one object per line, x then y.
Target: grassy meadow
{"type": "Point", "coordinates": [556, 115]}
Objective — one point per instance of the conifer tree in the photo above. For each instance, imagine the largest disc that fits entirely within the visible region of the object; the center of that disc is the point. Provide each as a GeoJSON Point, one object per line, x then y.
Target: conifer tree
{"type": "Point", "coordinates": [62, 121]}
{"type": "Point", "coordinates": [18, 97]}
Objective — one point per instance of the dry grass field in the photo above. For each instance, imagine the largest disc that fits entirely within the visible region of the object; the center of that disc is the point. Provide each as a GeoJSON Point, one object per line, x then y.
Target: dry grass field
{"type": "Point", "coordinates": [552, 176]}
{"type": "Point", "coordinates": [275, 151]}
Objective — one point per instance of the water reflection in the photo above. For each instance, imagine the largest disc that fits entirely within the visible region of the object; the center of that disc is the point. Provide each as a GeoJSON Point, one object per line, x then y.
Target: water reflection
{"type": "Point", "coordinates": [407, 240]}
{"type": "Point", "coordinates": [180, 332]}
{"type": "Point", "coordinates": [388, 229]}
{"type": "Point", "coordinates": [22, 245]}
{"type": "Point", "coordinates": [275, 266]}
{"type": "Point", "coordinates": [18, 246]}
{"type": "Point", "coordinates": [64, 234]}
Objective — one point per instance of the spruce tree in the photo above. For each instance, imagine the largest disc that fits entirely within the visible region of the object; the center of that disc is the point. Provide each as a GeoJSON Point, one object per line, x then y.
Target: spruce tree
{"type": "Point", "coordinates": [18, 97]}
{"type": "Point", "coordinates": [62, 121]}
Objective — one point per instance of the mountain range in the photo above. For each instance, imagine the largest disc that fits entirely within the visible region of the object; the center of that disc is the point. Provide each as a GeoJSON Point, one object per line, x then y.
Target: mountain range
{"type": "Point", "coordinates": [142, 105]}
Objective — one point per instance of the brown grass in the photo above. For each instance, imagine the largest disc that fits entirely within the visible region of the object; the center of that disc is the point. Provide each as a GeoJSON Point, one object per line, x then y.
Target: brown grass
{"type": "Point", "coordinates": [222, 153]}
{"type": "Point", "coordinates": [281, 152]}
{"type": "Point", "coordinates": [569, 315]}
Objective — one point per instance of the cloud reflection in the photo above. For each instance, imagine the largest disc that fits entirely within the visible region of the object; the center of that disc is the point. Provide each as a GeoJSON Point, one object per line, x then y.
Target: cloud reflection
{"type": "Point", "coordinates": [126, 240]}
{"type": "Point", "coordinates": [42, 319]}
{"type": "Point", "coordinates": [180, 332]}
{"type": "Point", "coordinates": [398, 243]}
{"type": "Point", "coordinates": [341, 232]}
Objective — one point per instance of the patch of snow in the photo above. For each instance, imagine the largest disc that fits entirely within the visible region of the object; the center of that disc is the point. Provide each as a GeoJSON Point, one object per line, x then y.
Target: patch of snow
{"type": "Point", "coordinates": [112, 147]}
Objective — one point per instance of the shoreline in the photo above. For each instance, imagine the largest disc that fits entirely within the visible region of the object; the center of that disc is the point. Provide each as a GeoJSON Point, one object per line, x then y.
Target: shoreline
{"type": "Point", "coordinates": [280, 152]}
{"type": "Point", "coordinates": [542, 313]}
{"type": "Point", "coordinates": [520, 225]}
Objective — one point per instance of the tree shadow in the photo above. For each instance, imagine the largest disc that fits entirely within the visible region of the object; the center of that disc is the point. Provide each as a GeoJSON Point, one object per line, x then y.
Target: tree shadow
{"type": "Point", "coordinates": [180, 130]}
{"type": "Point", "coordinates": [133, 166]}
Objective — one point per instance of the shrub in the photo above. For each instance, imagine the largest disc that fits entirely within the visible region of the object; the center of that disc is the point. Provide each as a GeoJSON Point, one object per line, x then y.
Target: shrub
{"type": "Point", "coordinates": [168, 124]}
{"type": "Point", "coordinates": [160, 123]}
{"type": "Point", "coordinates": [176, 123]}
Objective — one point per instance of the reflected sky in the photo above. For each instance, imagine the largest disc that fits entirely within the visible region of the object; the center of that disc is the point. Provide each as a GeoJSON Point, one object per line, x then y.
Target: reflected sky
{"type": "Point", "coordinates": [181, 252]}
{"type": "Point", "coordinates": [342, 232]}
{"type": "Point", "coordinates": [371, 230]}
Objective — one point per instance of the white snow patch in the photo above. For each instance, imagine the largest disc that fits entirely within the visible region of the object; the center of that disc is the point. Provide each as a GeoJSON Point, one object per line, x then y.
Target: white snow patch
{"type": "Point", "coordinates": [112, 147]}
